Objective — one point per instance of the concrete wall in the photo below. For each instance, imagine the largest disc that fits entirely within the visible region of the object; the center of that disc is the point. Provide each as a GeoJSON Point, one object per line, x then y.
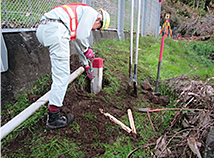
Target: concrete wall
{"type": "Point", "coordinates": [28, 61]}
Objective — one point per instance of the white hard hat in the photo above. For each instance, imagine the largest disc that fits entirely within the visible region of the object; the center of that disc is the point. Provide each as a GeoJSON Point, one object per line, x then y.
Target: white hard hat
{"type": "Point", "coordinates": [105, 20]}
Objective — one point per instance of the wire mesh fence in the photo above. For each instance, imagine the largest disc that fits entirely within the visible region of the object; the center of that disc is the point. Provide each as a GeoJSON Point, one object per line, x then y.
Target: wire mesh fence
{"type": "Point", "coordinates": [26, 14]}
{"type": "Point", "coordinates": [150, 16]}
{"type": "Point", "coordinates": [151, 10]}
{"type": "Point", "coordinates": [111, 6]}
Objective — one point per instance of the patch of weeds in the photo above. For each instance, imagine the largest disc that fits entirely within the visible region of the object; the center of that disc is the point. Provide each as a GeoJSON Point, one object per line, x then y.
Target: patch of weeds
{"type": "Point", "coordinates": [28, 125]}
{"type": "Point", "coordinates": [184, 12]}
{"type": "Point", "coordinates": [121, 148]}
{"type": "Point", "coordinates": [166, 119]}
{"type": "Point", "coordinates": [167, 91]}
{"type": "Point", "coordinates": [141, 104]}
{"type": "Point", "coordinates": [75, 126]}
{"type": "Point", "coordinates": [201, 12]}
{"type": "Point", "coordinates": [114, 84]}
{"type": "Point", "coordinates": [89, 117]}
{"type": "Point", "coordinates": [111, 130]}
{"type": "Point", "coordinates": [81, 83]}
{"type": "Point", "coordinates": [54, 147]}
{"type": "Point", "coordinates": [202, 48]}
{"type": "Point", "coordinates": [41, 85]}
{"type": "Point", "coordinates": [200, 52]}
{"type": "Point", "coordinates": [11, 110]}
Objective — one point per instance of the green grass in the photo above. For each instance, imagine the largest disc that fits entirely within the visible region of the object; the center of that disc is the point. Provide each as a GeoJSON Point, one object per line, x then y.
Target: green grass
{"type": "Point", "coordinates": [41, 86]}
{"type": "Point", "coordinates": [54, 147]}
{"type": "Point", "coordinates": [179, 58]}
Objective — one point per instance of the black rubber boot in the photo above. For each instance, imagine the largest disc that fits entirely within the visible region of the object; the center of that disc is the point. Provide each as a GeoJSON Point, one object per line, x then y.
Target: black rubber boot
{"type": "Point", "coordinates": [55, 121]}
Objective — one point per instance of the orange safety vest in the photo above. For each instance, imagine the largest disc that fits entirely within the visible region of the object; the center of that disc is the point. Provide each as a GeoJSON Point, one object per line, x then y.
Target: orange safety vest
{"type": "Point", "coordinates": [70, 9]}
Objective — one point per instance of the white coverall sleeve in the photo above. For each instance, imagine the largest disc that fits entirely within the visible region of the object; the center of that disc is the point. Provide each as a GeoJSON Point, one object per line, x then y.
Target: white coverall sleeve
{"type": "Point", "coordinates": [83, 33]}
{"type": "Point", "coordinates": [77, 45]}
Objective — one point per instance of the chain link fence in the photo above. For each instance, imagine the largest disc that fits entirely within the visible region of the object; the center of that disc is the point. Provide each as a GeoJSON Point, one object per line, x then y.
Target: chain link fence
{"type": "Point", "coordinates": [17, 14]}
{"type": "Point", "coordinates": [151, 10]}
{"type": "Point", "coordinates": [24, 15]}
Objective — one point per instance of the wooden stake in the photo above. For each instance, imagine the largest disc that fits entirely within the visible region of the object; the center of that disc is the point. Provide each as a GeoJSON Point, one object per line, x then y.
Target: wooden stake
{"type": "Point", "coordinates": [131, 120]}
{"type": "Point", "coordinates": [112, 118]}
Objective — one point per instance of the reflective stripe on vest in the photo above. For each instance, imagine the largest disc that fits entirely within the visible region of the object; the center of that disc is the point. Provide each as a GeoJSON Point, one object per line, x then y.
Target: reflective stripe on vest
{"type": "Point", "coordinates": [70, 9]}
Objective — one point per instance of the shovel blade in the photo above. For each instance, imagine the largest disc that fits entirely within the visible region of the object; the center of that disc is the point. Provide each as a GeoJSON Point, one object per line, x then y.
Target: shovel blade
{"type": "Point", "coordinates": [156, 93]}
{"type": "Point", "coordinates": [143, 109]}
{"type": "Point", "coordinates": [135, 89]}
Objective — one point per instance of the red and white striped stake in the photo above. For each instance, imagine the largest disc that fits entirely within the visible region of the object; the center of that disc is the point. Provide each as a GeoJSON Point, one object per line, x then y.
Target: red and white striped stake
{"type": "Point", "coordinates": [96, 82]}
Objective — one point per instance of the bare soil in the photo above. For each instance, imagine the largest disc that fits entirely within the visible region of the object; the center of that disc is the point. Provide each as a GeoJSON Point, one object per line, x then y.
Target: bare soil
{"type": "Point", "coordinates": [81, 103]}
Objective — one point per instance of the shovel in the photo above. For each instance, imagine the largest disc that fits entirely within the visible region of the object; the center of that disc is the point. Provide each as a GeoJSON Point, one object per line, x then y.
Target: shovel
{"type": "Point", "coordinates": [134, 77]}
{"type": "Point", "coordinates": [159, 66]}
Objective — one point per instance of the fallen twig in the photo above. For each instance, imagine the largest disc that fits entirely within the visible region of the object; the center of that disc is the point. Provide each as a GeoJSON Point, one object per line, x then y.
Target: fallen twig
{"type": "Point", "coordinates": [175, 118]}
{"type": "Point", "coordinates": [151, 122]}
{"type": "Point", "coordinates": [172, 139]}
{"type": "Point", "coordinates": [208, 80]}
{"type": "Point", "coordinates": [143, 146]}
{"type": "Point", "coordinates": [112, 118]}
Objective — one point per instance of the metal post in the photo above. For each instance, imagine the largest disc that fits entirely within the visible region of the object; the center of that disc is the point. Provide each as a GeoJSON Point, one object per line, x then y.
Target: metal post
{"type": "Point", "coordinates": [3, 53]}
{"type": "Point", "coordinates": [143, 20]}
{"type": "Point", "coordinates": [131, 42]}
{"type": "Point", "coordinates": [158, 18]}
{"type": "Point", "coordinates": [151, 20]}
{"type": "Point", "coordinates": [136, 50]}
{"type": "Point", "coordinates": [120, 22]}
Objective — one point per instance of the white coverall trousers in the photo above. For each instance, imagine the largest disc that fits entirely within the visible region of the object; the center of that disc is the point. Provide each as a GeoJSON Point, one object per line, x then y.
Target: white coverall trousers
{"type": "Point", "coordinates": [55, 36]}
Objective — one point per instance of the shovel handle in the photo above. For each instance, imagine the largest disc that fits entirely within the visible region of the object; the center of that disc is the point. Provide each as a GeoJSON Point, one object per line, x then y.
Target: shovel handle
{"type": "Point", "coordinates": [148, 110]}
{"type": "Point", "coordinates": [154, 110]}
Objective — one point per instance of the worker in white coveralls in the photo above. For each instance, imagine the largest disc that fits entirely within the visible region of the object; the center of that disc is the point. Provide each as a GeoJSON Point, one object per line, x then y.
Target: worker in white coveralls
{"type": "Point", "coordinates": [57, 27]}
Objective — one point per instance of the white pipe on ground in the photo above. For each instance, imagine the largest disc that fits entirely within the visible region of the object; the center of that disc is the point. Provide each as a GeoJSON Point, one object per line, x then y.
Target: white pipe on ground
{"type": "Point", "coordinates": [21, 117]}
